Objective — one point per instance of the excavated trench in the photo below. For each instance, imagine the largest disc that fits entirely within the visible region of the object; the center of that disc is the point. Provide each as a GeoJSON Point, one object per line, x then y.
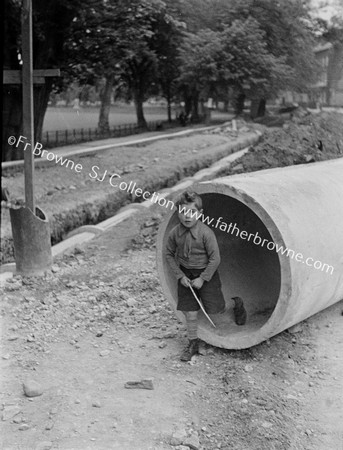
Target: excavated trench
{"type": "Point", "coordinates": [63, 222]}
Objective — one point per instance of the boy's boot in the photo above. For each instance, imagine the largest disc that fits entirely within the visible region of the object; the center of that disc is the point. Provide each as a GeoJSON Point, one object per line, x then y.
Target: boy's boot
{"type": "Point", "coordinates": [239, 311]}
{"type": "Point", "coordinates": [192, 349]}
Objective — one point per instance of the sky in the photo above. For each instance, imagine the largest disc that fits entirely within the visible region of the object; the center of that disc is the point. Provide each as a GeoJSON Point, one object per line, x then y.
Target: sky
{"type": "Point", "coordinates": [326, 9]}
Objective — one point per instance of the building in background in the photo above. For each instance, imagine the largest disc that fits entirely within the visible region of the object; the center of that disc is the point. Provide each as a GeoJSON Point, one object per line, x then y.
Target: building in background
{"type": "Point", "coordinates": [328, 90]}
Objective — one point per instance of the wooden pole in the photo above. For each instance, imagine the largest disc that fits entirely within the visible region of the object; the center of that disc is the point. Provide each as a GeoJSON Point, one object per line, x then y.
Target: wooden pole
{"type": "Point", "coordinates": [28, 130]}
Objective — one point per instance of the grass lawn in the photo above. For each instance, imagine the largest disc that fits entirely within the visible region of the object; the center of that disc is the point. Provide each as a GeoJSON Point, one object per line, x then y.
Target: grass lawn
{"type": "Point", "coordinates": [63, 118]}
{"type": "Point", "coordinates": [67, 118]}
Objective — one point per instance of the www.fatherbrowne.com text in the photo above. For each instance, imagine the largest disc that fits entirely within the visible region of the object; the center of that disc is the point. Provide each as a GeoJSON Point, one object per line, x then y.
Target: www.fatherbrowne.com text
{"type": "Point", "coordinates": [155, 197]}
{"type": "Point", "coordinates": [256, 239]}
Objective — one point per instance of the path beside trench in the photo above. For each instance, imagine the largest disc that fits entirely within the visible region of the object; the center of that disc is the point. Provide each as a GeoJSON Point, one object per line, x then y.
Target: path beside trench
{"type": "Point", "coordinates": [73, 199]}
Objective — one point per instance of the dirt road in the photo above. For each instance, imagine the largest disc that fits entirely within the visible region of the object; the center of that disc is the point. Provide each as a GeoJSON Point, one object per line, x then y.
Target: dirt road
{"type": "Point", "coordinates": [100, 320]}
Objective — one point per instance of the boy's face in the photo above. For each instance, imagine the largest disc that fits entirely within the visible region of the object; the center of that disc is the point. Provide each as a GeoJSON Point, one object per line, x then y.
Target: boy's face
{"type": "Point", "coordinates": [190, 214]}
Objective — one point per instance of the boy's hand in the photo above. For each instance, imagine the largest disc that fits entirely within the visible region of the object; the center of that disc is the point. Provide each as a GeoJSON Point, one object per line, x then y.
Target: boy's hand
{"type": "Point", "coordinates": [186, 282]}
{"type": "Point", "coordinates": [197, 283]}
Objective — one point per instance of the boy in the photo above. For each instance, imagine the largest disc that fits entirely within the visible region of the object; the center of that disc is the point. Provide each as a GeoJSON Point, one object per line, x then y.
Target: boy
{"type": "Point", "coordinates": [193, 254]}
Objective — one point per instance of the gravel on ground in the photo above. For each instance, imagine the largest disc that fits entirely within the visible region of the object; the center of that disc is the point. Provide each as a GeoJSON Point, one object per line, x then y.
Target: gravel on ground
{"type": "Point", "coordinates": [99, 320]}
{"type": "Point", "coordinates": [72, 340]}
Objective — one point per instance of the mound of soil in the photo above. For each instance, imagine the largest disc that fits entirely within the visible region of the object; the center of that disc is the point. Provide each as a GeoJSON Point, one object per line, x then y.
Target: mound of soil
{"type": "Point", "coordinates": [315, 137]}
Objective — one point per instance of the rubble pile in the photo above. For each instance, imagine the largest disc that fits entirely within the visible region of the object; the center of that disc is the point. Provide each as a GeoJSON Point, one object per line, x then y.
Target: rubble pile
{"type": "Point", "coordinates": [146, 238]}
{"type": "Point", "coordinates": [43, 307]}
{"type": "Point", "coordinates": [230, 129]}
{"type": "Point", "coordinates": [305, 139]}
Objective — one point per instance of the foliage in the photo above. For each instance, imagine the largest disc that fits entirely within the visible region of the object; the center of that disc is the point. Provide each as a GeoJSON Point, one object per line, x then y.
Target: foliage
{"type": "Point", "coordinates": [248, 59]}
{"type": "Point", "coordinates": [268, 44]}
{"type": "Point", "coordinates": [141, 47]}
{"type": "Point", "coordinates": [127, 41]}
{"type": "Point", "coordinates": [51, 24]}
{"type": "Point", "coordinates": [200, 56]}
{"type": "Point", "coordinates": [288, 33]}
{"type": "Point", "coordinates": [214, 15]}
{"type": "Point", "coordinates": [237, 55]}
{"type": "Point", "coordinates": [106, 33]}
{"type": "Point", "coordinates": [166, 42]}
{"type": "Point", "coordinates": [333, 32]}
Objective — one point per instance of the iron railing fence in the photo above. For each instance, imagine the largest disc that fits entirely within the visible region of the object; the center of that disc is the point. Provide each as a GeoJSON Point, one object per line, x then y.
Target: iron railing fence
{"type": "Point", "coordinates": [59, 138]}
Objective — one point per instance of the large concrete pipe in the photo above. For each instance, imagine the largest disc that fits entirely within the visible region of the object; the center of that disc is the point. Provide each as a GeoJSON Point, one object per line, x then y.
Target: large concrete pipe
{"type": "Point", "coordinates": [298, 208]}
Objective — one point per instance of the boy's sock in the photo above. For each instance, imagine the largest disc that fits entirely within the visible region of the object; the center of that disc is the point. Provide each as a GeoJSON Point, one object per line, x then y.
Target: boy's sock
{"type": "Point", "coordinates": [192, 328]}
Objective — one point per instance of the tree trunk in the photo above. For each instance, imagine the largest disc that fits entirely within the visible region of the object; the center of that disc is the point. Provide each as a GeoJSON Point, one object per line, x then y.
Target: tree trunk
{"type": "Point", "coordinates": [138, 100]}
{"type": "Point", "coordinates": [258, 107]}
{"type": "Point", "coordinates": [195, 107]}
{"type": "Point", "coordinates": [262, 107]}
{"type": "Point", "coordinates": [41, 99]}
{"type": "Point", "coordinates": [13, 116]}
{"type": "Point", "coordinates": [169, 110]}
{"type": "Point", "coordinates": [254, 107]}
{"type": "Point", "coordinates": [226, 105]}
{"type": "Point", "coordinates": [12, 121]}
{"type": "Point", "coordinates": [105, 97]}
{"type": "Point", "coordinates": [188, 104]}
{"type": "Point", "coordinates": [239, 100]}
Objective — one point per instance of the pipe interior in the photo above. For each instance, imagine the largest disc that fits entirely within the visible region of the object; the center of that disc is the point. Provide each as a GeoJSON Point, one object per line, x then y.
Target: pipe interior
{"type": "Point", "coordinates": [246, 270]}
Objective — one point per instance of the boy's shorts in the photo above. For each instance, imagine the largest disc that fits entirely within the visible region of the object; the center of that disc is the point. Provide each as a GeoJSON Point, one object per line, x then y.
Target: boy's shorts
{"type": "Point", "coordinates": [210, 293]}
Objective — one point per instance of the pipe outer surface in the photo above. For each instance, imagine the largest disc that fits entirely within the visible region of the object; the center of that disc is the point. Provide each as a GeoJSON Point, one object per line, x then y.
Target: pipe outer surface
{"type": "Point", "coordinates": [31, 239]}
{"type": "Point", "coordinates": [298, 208]}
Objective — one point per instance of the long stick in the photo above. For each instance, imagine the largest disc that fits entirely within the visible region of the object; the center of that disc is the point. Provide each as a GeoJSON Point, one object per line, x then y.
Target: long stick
{"type": "Point", "coordinates": [200, 304]}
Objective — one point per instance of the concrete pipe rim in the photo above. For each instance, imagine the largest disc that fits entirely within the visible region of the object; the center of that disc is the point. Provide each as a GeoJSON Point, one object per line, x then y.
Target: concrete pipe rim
{"type": "Point", "coordinates": [245, 336]}
{"type": "Point", "coordinates": [40, 215]}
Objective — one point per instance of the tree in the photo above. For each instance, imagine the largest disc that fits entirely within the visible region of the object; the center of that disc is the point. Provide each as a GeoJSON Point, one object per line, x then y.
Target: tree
{"type": "Point", "coordinates": [207, 14]}
{"type": "Point", "coordinates": [248, 61]}
{"type": "Point", "coordinates": [233, 57]}
{"type": "Point", "coordinates": [268, 47]}
{"type": "Point", "coordinates": [200, 54]}
{"type": "Point", "coordinates": [288, 34]}
{"type": "Point", "coordinates": [167, 39]}
{"type": "Point", "coordinates": [51, 22]}
{"type": "Point", "coordinates": [121, 41]}
{"type": "Point", "coordinates": [12, 101]}
{"type": "Point", "coordinates": [200, 16]}
{"type": "Point", "coordinates": [101, 37]}
{"type": "Point", "coordinates": [333, 31]}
